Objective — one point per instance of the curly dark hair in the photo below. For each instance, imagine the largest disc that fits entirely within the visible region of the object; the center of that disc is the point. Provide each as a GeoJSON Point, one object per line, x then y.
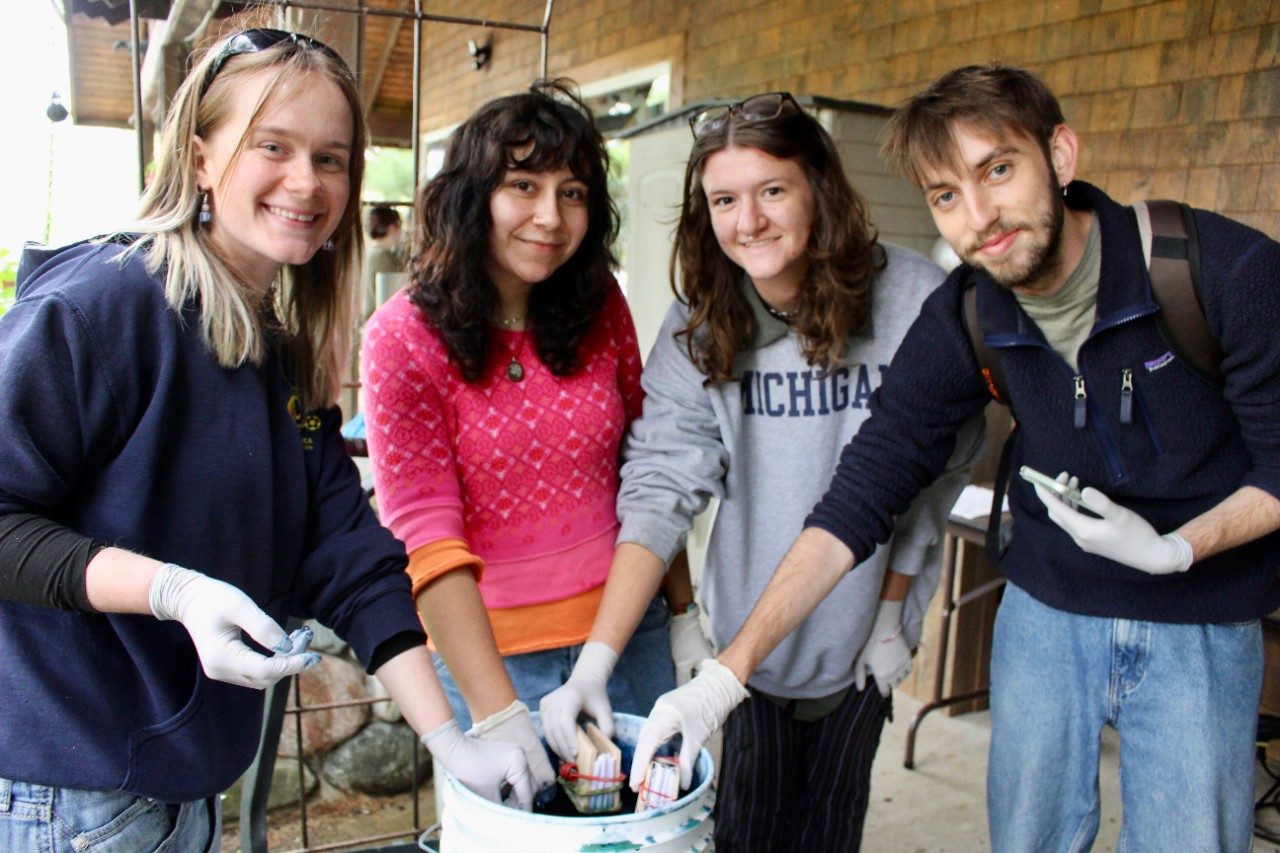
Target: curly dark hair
{"type": "Point", "coordinates": [543, 129]}
{"type": "Point", "coordinates": [843, 253]}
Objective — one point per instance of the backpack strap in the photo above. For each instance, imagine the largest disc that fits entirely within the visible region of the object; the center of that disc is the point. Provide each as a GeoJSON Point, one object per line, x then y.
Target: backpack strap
{"type": "Point", "coordinates": [996, 544]}
{"type": "Point", "coordinates": [993, 375]}
{"type": "Point", "coordinates": [988, 361]}
{"type": "Point", "coordinates": [1172, 251]}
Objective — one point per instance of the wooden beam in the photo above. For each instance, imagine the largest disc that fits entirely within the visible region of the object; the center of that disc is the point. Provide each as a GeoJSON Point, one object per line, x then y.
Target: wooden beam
{"type": "Point", "coordinates": [373, 81]}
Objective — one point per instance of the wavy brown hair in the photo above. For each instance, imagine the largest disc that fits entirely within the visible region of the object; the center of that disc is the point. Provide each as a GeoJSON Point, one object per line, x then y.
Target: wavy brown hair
{"type": "Point", "coordinates": [843, 254]}
{"type": "Point", "coordinates": [543, 129]}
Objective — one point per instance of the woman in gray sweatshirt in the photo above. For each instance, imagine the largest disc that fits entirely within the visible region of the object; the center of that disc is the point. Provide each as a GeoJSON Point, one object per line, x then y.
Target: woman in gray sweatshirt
{"type": "Point", "coordinates": [787, 317]}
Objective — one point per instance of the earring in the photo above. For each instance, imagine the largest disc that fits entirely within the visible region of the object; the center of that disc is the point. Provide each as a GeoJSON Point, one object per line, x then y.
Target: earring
{"type": "Point", "coordinates": [206, 215]}
{"type": "Point", "coordinates": [1064, 190]}
{"type": "Point", "coordinates": [329, 245]}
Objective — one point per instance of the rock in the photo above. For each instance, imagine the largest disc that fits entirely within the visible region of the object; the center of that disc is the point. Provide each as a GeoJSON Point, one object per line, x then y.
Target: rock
{"type": "Point", "coordinates": [377, 761]}
{"type": "Point", "coordinates": [332, 680]}
{"type": "Point", "coordinates": [326, 642]}
{"type": "Point", "coordinates": [284, 789]}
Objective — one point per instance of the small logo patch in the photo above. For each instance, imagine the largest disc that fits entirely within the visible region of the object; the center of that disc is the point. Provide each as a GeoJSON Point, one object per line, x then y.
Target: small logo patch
{"type": "Point", "coordinates": [307, 424]}
{"type": "Point", "coordinates": [1157, 363]}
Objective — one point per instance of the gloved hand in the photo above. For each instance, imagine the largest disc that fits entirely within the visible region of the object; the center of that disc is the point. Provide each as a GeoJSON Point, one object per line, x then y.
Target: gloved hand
{"type": "Point", "coordinates": [886, 654]}
{"type": "Point", "coordinates": [689, 646]}
{"type": "Point", "coordinates": [583, 692]}
{"type": "Point", "coordinates": [514, 725]}
{"type": "Point", "coordinates": [1119, 534]}
{"type": "Point", "coordinates": [694, 711]}
{"type": "Point", "coordinates": [486, 767]}
{"type": "Point", "coordinates": [1072, 483]}
{"type": "Point", "coordinates": [214, 613]}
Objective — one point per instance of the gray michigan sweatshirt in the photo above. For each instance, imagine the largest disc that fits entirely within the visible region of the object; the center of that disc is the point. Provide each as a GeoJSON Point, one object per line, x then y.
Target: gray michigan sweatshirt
{"type": "Point", "coordinates": [766, 446]}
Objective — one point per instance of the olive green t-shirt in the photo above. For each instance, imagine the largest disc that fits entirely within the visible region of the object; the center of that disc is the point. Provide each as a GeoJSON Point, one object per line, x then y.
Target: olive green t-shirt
{"type": "Point", "coordinates": [1066, 317]}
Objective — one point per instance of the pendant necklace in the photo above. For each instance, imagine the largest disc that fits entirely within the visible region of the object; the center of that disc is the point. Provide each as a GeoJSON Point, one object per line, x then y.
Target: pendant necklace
{"type": "Point", "coordinates": [515, 370]}
{"type": "Point", "coordinates": [779, 314]}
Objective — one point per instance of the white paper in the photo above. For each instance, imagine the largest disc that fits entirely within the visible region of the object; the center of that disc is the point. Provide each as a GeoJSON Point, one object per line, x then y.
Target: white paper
{"type": "Point", "coordinates": [975, 502]}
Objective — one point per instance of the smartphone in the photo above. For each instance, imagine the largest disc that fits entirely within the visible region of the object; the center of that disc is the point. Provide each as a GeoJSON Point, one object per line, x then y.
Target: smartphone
{"type": "Point", "coordinates": [1062, 490]}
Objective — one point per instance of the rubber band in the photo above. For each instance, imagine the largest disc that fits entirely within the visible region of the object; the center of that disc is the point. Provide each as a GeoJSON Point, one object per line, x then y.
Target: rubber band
{"type": "Point", "coordinates": [889, 639]}
{"type": "Point", "coordinates": [569, 772]}
{"type": "Point", "coordinates": [654, 798]}
{"type": "Point", "coordinates": [591, 794]}
{"type": "Point", "coordinates": [650, 794]}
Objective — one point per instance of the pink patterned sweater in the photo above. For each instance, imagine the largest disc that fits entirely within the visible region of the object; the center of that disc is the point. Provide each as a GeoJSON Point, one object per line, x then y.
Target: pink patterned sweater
{"type": "Point", "coordinates": [526, 473]}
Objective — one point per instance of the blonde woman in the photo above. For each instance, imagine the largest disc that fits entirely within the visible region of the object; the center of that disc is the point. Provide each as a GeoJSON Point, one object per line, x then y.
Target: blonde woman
{"type": "Point", "coordinates": [172, 480]}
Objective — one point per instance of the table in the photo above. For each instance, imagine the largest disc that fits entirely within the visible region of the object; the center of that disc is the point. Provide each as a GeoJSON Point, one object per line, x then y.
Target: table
{"type": "Point", "coordinates": [959, 529]}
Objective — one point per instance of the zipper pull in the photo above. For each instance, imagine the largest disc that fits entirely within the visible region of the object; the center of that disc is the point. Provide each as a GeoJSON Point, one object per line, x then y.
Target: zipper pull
{"type": "Point", "coordinates": [1126, 396]}
{"type": "Point", "coordinates": [1080, 401]}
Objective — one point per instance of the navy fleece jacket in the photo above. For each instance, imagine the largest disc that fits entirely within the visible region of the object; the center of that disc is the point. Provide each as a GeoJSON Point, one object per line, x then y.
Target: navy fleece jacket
{"type": "Point", "coordinates": [1187, 446]}
{"type": "Point", "coordinates": [118, 423]}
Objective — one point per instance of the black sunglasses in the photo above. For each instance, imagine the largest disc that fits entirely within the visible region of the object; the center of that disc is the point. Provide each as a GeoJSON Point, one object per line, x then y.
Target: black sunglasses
{"type": "Point", "coordinates": [259, 39]}
{"type": "Point", "coordinates": [756, 108]}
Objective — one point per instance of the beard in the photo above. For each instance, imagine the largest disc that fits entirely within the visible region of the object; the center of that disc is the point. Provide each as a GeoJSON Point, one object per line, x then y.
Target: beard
{"type": "Point", "coordinates": [1037, 261]}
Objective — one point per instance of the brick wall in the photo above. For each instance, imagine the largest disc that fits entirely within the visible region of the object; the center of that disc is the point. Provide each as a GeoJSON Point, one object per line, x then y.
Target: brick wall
{"type": "Point", "coordinates": [1171, 98]}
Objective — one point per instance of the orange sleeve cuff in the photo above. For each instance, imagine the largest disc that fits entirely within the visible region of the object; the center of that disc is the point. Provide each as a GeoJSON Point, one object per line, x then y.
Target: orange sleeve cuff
{"type": "Point", "coordinates": [436, 558]}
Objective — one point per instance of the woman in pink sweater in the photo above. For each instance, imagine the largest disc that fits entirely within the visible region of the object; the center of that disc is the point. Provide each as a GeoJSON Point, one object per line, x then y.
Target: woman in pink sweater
{"type": "Point", "coordinates": [498, 388]}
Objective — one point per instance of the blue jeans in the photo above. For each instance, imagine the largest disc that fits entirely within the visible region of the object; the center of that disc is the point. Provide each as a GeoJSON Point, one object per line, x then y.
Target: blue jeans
{"type": "Point", "coordinates": [41, 819]}
{"type": "Point", "coordinates": [1184, 699]}
{"type": "Point", "coordinates": [643, 673]}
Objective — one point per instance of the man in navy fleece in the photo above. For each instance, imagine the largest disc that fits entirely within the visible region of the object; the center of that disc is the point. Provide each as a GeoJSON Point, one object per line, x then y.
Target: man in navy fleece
{"type": "Point", "coordinates": [1143, 614]}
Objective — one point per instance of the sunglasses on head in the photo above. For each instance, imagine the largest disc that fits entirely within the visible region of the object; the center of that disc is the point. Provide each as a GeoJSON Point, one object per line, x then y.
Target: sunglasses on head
{"type": "Point", "coordinates": [756, 108]}
{"type": "Point", "coordinates": [259, 39]}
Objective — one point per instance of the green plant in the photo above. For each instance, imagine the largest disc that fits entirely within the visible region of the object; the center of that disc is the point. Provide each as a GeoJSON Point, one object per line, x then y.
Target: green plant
{"type": "Point", "coordinates": [8, 279]}
{"type": "Point", "coordinates": [388, 175]}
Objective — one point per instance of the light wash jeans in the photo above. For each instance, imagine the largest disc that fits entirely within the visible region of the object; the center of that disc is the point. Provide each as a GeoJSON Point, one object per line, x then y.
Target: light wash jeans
{"type": "Point", "coordinates": [1184, 699]}
{"type": "Point", "coordinates": [643, 673]}
{"type": "Point", "coordinates": [40, 819]}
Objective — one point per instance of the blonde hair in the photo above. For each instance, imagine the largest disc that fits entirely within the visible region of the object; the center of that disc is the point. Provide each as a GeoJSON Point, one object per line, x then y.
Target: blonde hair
{"type": "Point", "coordinates": [314, 302]}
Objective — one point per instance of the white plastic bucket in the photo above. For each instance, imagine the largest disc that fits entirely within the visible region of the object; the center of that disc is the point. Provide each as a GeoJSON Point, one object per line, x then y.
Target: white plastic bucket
{"type": "Point", "coordinates": [472, 824]}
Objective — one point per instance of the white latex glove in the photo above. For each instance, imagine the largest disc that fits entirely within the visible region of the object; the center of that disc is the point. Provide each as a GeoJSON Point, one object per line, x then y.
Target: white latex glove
{"type": "Point", "coordinates": [214, 613]}
{"type": "Point", "coordinates": [1074, 483]}
{"type": "Point", "coordinates": [584, 692]}
{"type": "Point", "coordinates": [694, 711]}
{"type": "Point", "coordinates": [689, 646]}
{"type": "Point", "coordinates": [486, 767]}
{"type": "Point", "coordinates": [514, 725]}
{"type": "Point", "coordinates": [1120, 534]}
{"type": "Point", "coordinates": [886, 654]}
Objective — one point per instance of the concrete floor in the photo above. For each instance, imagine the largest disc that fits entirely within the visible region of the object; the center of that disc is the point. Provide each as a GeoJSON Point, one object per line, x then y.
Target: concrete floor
{"type": "Point", "coordinates": [940, 805]}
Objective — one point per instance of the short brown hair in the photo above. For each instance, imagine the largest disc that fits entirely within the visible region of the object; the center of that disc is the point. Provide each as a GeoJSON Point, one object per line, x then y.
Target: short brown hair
{"type": "Point", "coordinates": [996, 98]}
{"type": "Point", "coordinates": [379, 219]}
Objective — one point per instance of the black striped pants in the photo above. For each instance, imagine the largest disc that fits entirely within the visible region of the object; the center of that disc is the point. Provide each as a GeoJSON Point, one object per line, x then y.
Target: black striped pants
{"type": "Point", "coordinates": [791, 785]}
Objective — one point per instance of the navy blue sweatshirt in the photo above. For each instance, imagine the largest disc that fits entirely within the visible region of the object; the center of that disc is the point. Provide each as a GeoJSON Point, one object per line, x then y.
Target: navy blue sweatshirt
{"type": "Point", "coordinates": [119, 424]}
{"type": "Point", "coordinates": [1187, 445]}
